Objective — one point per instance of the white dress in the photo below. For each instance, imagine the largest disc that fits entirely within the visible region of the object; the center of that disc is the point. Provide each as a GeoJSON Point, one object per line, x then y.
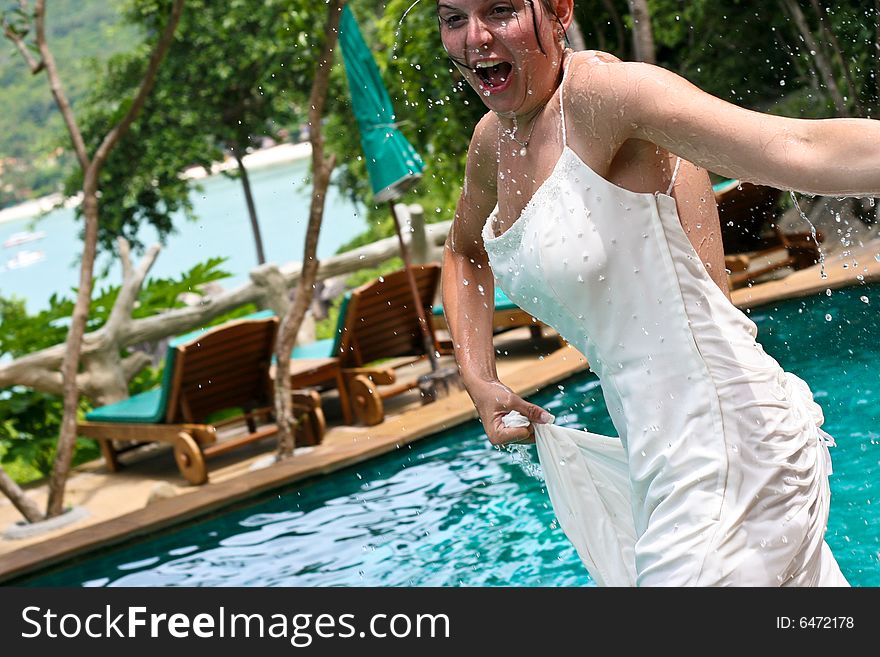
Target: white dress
{"type": "Point", "coordinates": [720, 472]}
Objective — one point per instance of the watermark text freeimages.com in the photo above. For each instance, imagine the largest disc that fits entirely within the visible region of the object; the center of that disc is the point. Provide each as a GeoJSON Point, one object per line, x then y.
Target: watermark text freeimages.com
{"type": "Point", "coordinates": [300, 629]}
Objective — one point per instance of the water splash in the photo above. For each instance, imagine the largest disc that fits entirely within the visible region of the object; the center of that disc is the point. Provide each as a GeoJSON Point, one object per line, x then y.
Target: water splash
{"type": "Point", "coordinates": [822, 273]}
{"type": "Point", "coordinates": [397, 31]}
{"type": "Point", "coordinates": [522, 456]}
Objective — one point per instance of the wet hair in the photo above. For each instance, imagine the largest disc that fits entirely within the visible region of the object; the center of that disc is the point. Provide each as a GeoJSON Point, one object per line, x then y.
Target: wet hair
{"type": "Point", "coordinates": [547, 8]}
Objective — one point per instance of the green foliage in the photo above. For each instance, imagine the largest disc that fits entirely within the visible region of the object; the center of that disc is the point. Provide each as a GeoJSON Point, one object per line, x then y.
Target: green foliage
{"type": "Point", "coordinates": [436, 109]}
{"type": "Point", "coordinates": [29, 432]}
{"type": "Point", "coordinates": [30, 419]}
{"type": "Point", "coordinates": [237, 71]}
{"type": "Point", "coordinates": [80, 34]}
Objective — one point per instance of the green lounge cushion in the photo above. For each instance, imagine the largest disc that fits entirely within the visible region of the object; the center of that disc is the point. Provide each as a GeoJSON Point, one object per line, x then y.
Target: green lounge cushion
{"type": "Point", "coordinates": [319, 349]}
{"type": "Point", "coordinates": [150, 407]}
{"type": "Point", "coordinates": [145, 408]}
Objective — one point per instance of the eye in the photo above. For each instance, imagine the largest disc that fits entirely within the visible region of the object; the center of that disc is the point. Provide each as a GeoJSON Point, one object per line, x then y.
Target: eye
{"type": "Point", "coordinates": [452, 20]}
{"type": "Point", "coordinates": [502, 10]}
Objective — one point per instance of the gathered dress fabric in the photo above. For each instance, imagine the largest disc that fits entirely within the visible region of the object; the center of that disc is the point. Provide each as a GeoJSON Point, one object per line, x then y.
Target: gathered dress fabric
{"type": "Point", "coordinates": [719, 474]}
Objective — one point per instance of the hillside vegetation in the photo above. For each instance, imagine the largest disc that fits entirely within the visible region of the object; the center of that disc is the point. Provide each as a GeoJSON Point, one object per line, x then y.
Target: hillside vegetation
{"type": "Point", "coordinates": [81, 34]}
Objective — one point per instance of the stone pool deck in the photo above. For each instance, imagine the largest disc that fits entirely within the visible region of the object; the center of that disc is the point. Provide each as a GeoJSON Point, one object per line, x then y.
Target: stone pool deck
{"type": "Point", "coordinates": [149, 494]}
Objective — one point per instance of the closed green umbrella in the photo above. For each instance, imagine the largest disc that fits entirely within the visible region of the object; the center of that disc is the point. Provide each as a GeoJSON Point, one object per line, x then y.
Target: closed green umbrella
{"type": "Point", "coordinates": [392, 163]}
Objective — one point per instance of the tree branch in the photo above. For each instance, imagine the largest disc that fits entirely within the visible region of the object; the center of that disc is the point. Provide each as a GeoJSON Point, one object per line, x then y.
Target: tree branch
{"type": "Point", "coordinates": [39, 370]}
{"type": "Point", "coordinates": [19, 498]}
{"type": "Point", "coordinates": [79, 145]}
{"type": "Point", "coordinates": [34, 66]}
{"type": "Point", "coordinates": [132, 280]}
{"type": "Point", "coordinates": [146, 86]}
{"type": "Point", "coordinates": [818, 55]}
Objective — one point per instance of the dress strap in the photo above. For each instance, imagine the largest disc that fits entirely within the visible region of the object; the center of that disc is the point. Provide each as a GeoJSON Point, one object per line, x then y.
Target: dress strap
{"type": "Point", "coordinates": [674, 174]}
{"type": "Point", "coordinates": [561, 103]}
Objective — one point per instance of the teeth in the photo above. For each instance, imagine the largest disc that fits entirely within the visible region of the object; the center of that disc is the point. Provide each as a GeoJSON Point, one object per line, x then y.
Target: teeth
{"type": "Point", "coordinates": [487, 63]}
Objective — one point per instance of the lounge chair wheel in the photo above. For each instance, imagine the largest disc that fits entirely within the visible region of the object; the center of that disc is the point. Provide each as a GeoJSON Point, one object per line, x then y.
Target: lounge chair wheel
{"type": "Point", "coordinates": [190, 460]}
{"type": "Point", "coordinates": [366, 400]}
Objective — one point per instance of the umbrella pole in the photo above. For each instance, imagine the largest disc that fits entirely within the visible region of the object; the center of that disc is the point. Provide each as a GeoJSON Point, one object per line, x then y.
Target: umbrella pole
{"type": "Point", "coordinates": [417, 299]}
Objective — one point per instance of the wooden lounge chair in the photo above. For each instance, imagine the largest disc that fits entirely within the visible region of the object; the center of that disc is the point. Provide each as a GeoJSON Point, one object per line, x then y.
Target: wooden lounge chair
{"type": "Point", "coordinates": [377, 323]}
{"type": "Point", "coordinates": [750, 250]}
{"type": "Point", "coordinates": [206, 371]}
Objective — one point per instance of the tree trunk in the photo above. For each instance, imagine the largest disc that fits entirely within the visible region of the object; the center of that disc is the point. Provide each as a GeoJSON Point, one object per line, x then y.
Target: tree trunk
{"type": "Point", "coordinates": [91, 170]}
{"type": "Point", "coordinates": [841, 58]}
{"type": "Point", "coordinates": [818, 55]}
{"type": "Point", "coordinates": [19, 498]}
{"type": "Point", "coordinates": [322, 168]}
{"type": "Point", "coordinates": [643, 36]}
{"type": "Point", "coordinates": [252, 210]}
{"type": "Point", "coordinates": [618, 27]}
{"type": "Point", "coordinates": [70, 365]}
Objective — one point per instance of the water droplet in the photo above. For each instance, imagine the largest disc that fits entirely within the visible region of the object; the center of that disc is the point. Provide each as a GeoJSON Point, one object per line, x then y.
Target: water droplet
{"type": "Point", "coordinates": [828, 317]}
{"type": "Point", "coordinates": [863, 299]}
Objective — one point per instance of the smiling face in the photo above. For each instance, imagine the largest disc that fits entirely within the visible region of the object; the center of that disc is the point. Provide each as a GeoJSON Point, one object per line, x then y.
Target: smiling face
{"type": "Point", "coordinates": [509, 51]}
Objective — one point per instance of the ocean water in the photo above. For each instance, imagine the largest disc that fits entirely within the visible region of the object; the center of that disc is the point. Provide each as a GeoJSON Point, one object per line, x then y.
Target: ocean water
{"type": "Point", "coordinates": [282, 196]}
{"type": "Point", "coordinates": [453, 511]}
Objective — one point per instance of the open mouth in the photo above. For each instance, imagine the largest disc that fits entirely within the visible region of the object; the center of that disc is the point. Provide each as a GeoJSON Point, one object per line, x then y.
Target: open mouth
{"type": "Point", "coordinates": [494, 77]}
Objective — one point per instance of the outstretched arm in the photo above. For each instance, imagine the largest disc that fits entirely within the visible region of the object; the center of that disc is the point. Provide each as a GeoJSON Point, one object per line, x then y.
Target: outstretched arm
{"type": "Point", "coordinates": [816, 156]}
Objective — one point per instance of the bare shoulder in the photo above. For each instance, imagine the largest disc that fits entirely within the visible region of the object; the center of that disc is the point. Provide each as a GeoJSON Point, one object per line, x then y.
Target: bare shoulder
{"type": "Point", "coordinates": [599, 56]}
{"type": "Point", "coordinates": [482, 160]}
{"type": "Point", "coordinates": [604, 93]}
{"type": "Point", "coordinates": [594, 72]}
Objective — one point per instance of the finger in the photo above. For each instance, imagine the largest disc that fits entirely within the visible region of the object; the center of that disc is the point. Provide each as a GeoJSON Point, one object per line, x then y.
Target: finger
{"type": "Point", "coordinates": [536, 413]}
{"type": "Point", "coordinates": [503, 436]}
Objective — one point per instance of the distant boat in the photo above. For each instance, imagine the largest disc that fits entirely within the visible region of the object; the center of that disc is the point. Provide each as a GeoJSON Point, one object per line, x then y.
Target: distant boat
{"type": "Point", "coordinates": [23, 238]}
{"type": "Point", "coordinates": [24, 259]}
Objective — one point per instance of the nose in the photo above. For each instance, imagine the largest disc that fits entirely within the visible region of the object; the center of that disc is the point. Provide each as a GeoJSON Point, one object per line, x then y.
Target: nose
{"type": "Point", "coordinates": [478, 34]}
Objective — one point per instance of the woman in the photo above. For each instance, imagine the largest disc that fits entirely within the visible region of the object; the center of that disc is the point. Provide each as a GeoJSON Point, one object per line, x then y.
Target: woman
{"type": "Point", "coordinates": [574, 199]}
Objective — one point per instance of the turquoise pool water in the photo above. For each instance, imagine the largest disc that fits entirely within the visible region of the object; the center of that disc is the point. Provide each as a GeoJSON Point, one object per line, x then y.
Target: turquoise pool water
{"type": "Point", "coordinates": [453, 511]}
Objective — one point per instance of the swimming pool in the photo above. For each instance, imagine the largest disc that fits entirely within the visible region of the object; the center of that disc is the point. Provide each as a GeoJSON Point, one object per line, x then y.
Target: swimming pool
{"type": "Point", "coordinates": [453, 511]}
